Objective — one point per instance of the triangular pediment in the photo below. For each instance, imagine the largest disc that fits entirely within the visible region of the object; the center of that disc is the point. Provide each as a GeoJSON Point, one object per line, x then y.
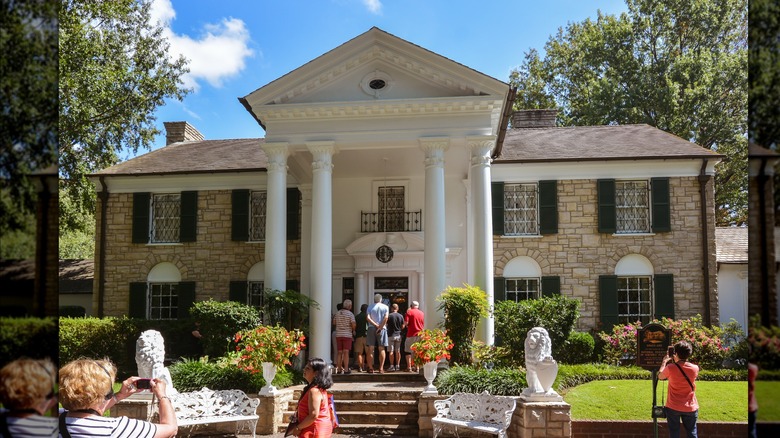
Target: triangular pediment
{"type": "Point", "coordinates": [350, 73]}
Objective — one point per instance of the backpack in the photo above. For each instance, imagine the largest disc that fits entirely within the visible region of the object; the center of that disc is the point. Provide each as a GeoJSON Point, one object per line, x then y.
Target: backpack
{"type": "Point", "coordinates": [334, 418]}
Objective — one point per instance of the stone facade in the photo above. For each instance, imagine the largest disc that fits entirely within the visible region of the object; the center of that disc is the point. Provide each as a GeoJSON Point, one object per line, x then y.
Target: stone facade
{"type": "Point", "coordinates": [211, 262]}
{"type": "Point", "coordinates": [578, 253]}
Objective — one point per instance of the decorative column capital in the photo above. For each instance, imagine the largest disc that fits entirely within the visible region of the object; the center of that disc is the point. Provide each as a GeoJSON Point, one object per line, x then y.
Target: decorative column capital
{"type": "Point", "coordinates": [322, 153]}
{"type": "Point", "coordinates": [434, 148]}
{"type": "Point", "coordinates": [305, 190]}
{"type": "Point", "coordinates": [277, 153]}
{"type": "Point", "coordinates": [480, 146]}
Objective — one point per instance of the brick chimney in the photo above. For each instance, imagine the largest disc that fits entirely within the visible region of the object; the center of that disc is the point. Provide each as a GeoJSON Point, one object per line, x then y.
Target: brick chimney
{"type": "Point", "coordinates": [180, 131]}
{"type": "Point", "coordinates": [534, 118]}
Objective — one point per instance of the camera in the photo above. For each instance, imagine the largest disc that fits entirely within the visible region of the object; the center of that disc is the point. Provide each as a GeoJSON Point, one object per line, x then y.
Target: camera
{"type": "Point", "coordinates": [143, 383]}
{"type": "Point", "coordinates": [659, 412]}
{"type": "Point", "coordinates": [670, 351]}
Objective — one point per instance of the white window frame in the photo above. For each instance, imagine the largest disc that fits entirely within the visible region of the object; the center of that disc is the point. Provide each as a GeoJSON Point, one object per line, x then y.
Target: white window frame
{"type": "Point", "coordinates": [631, 301]}
{"type": "Point", "coordinates": [632, 217]}
{"type": "Point", "coordinates": [257, 220]}
{"type": "Point", "coordinates": [164, 228]}
{"type": "Point", "coordinates": [167, 307]}
{"type": "Point", "coordinates": [255, 295]}
{"type": "Point", "coordinates": [517, 220]}
{"type": "Point", "coordinates": [526, 293]}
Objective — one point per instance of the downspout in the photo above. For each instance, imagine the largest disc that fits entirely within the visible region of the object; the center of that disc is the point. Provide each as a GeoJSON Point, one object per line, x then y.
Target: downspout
{"type": "Point", "coordinates": [761, 179]}
{"type": "Point", "coordinates": [42, 250]}
{"type": "Point", "coordinates": [101, 286]}
{"type": "Point", "coordinates": [705, 243]}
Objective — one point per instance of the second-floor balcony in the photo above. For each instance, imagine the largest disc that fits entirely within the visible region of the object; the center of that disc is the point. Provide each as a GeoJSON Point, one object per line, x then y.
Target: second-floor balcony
{"type": "Point", "coordinates": [391, 221]}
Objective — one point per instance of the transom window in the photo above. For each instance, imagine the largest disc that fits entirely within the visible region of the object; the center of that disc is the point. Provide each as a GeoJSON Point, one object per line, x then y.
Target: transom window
{"type": "Point", "coordinates": [257, 216]}
{"type": "Point", "coordinates": [166, 214]}
{"type": "Point", "coordinates": [632, 207]}
{"type": "Point", "coordinates": [521, 209]}
{"type": "Point", "coordinates": [634, 299]}
{"type": "Point", "coordinates": [519, 289]}
{"type": "Point", "coordinates": [163, 300]}
{"type": "Point", "coordinates": [391, 208]}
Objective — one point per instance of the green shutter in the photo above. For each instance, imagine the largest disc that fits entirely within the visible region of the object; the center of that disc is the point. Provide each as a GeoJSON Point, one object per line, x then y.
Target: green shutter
{"type": "Point", "coordinates": [664, 295]}
{"type": "Point", "coordinates": [606, 195]}
{"type": "Point", "coordinates": [551, 286]}
{"type": "Point", "coordinates": [186, 298]}
{"type": "Point", "coordinates": [141, 217]}
{"type": "Point", "coordinates": [499, 289]}
{"type": "Point", "coordinates": [662, 215]}
{"type": "Point", "coordinates": [240, 217]}
{"type": "Point", "coordinates": [608, 299]}
{"type": "Point", "coordinates": [292, 285]}
{"type": "Point", "coordinates": [188, 230]}
{"type": "Point", "coordinates": [548, 207]}
{"type": "Point", "coordinates": [138, 301]}
{"type": "Point", "coordinates": [497, 199]}
{"type": "Point", "coordinates": [293, 207]}
{"type": "Point", "coordinates": [238, 292]}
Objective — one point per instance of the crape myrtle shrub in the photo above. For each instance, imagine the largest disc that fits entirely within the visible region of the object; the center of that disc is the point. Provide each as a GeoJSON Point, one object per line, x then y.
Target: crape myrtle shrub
{"type": "Point", "coordinates": [557, 314]}
{"type": "Point", "coordinates": [35, 338]}
{"type": "Point", "coordinates": [220, 321]}
{"type": "Point", "coordinates": [192, 375]}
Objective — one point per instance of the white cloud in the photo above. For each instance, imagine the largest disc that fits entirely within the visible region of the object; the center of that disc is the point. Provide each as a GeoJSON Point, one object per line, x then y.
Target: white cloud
{"type": "Point", "coordinates": [217, 54]}
{"type": "Point", "coordinates": [374, 6]}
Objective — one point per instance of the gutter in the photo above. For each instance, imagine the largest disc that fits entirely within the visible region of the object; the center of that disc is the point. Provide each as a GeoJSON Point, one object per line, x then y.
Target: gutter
{"type": "Point", "coordinates": [504, 124]}
{"type": "Point", "coordinates": [705, 244]}
{"type": "Point", "coordinates": [101, 259]}
{"type": "Point", "coordinates": [248, 107]}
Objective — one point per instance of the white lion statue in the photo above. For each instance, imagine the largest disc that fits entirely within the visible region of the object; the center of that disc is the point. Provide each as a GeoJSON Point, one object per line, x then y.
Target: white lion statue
{"type": "Point", "coordinates": [541, 368]}
{"type": "Point", "coordinates": [149, 356]}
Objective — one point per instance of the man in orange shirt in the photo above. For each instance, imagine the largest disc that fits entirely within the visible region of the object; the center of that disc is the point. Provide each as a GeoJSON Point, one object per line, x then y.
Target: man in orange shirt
{"type": "Point", "coordinates": [681, 403]}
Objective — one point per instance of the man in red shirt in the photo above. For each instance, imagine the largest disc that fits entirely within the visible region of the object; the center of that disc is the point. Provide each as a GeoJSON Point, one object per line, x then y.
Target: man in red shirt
{"type": "Point", "coordinates": [414, 321]}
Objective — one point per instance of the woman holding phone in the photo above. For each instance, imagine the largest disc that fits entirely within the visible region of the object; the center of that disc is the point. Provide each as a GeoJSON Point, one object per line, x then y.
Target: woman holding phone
{"type": "Point", "coordinates": [681, 403]}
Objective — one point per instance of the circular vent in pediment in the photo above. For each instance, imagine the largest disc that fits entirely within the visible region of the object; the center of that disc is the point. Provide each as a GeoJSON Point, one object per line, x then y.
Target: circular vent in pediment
{"type": "Point", "coordinates": [376, 83]}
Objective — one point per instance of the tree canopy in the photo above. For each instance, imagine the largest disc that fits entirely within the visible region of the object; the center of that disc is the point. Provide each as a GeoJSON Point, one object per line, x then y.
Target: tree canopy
{"type": "Point", "coordinates": [764, 72]}
{"type": "Point", "coordinates": [114, 72]}
{"type": "Point", "coordinates": [678, 65]}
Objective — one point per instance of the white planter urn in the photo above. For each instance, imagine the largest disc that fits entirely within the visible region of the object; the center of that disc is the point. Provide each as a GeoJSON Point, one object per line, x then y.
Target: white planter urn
{"type": "Point", "coordinates": [269, 372]}
{"type": "Point", "coordinates": [429, 372]}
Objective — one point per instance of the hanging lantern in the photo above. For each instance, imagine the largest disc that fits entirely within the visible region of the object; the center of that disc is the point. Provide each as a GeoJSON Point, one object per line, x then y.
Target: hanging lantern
{"type": "Point", "coordinates": [384, 254]}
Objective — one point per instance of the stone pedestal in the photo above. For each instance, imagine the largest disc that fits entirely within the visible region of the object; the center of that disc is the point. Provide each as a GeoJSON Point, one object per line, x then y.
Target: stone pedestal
{"type": "Point", "coordinates": [426, 411]}
{"type": "Point", "coordinates": [271, 411]}
{"type": "Point", "coordinates": [541, 419]}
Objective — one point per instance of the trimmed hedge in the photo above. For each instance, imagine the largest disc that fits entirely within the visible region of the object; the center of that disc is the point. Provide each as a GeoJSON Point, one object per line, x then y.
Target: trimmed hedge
{"type": "Point", "coordinates": [192, 375]}
{"type": "Point", "coordinates": [500, 381]}
{"type": "Point", "coordinates": [220, 321]}
{"type": "Point", "coordinates": [35, 338]}
{"type": "Point", "coordinates": [577, 349]}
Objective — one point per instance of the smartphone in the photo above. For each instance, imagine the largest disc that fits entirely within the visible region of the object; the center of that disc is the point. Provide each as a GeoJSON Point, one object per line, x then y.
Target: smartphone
{"type": "Point", "coordinates": [143, 384]}
{"type": "Point", "coordinates": [669, 352]}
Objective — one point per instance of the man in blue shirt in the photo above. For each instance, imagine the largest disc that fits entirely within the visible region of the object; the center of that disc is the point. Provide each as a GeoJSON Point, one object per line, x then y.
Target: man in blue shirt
{"type": "Point", "coordinates": [376, 335]}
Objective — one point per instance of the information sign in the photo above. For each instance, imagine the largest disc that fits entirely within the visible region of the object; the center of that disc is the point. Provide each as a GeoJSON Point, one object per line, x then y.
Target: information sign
{"type": "Point", "coordinates": [652, 343]}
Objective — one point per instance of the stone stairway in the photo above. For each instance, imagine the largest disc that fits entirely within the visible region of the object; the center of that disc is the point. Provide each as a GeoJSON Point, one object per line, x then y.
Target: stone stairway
{"type": "Point", "coordinates": [373, 404]}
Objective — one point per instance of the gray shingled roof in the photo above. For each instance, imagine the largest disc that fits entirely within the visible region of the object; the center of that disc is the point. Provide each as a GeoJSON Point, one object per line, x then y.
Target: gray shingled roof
{"type": "Point", "coordinates": [616, 142]}
{"type": "Point", "coordinates": [196, 157]}
{"type": "Point", "coordinates": [731, 244]}
{"type": "Point", "coordinates": [76, 276]}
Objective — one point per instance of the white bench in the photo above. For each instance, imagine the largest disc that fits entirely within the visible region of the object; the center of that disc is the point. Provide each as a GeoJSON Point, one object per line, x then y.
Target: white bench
{"type": "Point", "coordinates": [481, 412]}
{"type": "Point", "coordinates": [207, 406]}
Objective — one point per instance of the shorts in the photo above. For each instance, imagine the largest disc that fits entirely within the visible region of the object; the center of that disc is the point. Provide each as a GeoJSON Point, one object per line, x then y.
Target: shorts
{"type": "Point", "coordinates": [409, 341]}
{"type": "Point", "coordinates": [372, 337]}
{"type": "Point", "coordinates": [343, 343]}
{"type": "Point", "coordinates": [359, 345]}
{"type": "Point", "coordinates": [395, 344]}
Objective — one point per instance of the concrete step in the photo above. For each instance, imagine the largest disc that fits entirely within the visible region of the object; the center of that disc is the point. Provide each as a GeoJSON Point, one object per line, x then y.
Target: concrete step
{"type": "Point", "coordinates": [366, 430]}
{"type": "Point", "coordinates": [348, 418]}
{"type": "Point", "coordinates": [368, 405]}
{"type": "Point", "coordinates": [387, 376]}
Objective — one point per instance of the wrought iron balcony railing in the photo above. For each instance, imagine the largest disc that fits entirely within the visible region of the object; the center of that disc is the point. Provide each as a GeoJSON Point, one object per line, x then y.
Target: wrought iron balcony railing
{"type": "Point", "coordinates": [391, 221]}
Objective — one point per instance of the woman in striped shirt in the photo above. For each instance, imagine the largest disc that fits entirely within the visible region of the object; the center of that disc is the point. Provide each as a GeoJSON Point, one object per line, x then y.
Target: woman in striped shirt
{"type": "Point", "coordinates": [27, 391]}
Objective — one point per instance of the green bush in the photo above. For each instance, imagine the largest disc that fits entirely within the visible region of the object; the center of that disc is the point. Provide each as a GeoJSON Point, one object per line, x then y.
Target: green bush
{"type": "Point", "coordinates": [177, 333]}
{"type": "Point", "coordinates": [578, 348]}
{"type": "Point", "coordinates": [557, 314]}
{"type": "Point", "coordinates": [219, 321]}
{"type": "Point", "coordinates": [287, 308]}
{"type": "Point", "coordinates": [500, 381]}
{"type": "Point", "coordinates": [192, 375]}
{"type": "Point", "coordinates": [98, 338]}
{"type": "Point", "coordinates": [35, 338]}
{"type": "Point", "coordinates": [462, 307]}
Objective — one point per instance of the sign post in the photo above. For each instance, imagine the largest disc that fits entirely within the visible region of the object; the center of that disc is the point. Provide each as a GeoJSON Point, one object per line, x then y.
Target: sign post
{"type": "Point", "coordinates": [652, 342]}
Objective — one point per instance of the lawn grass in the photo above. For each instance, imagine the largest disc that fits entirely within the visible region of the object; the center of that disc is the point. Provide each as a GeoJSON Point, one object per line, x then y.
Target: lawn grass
{"type": "Point", "coordinates": [632, 400]}
{"type": "Point", "coordinates": [768, 400]}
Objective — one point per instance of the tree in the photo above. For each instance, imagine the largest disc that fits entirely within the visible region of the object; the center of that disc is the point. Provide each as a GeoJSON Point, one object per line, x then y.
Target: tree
{"type": "Point", "coordinates": [677, 65]}
{"type": "Point", "coordinates": [764, 72]}
{"type": "Point", "coordinates": [115, 71]}
{"type": "Point", "coordinates": [28, 102]}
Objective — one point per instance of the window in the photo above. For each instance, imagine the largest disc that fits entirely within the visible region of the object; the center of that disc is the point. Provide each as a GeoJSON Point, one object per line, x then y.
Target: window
{"type": "Point", "coordinates": [348, 289]}
{"type": "Point", "coordinates": [634, 302]}
{"type": "Point", "coordinates": [525, 209]}
{"type": "Point", "coordinates": [391, 208]}
{"type": "Point", "coordinates": [520, 210]}
{"type": "Point", "coordinates": [632, 207]}
{"type": "Point", "coordinates": [519, 289]}
{"type": "Point", "coordinates": [166, 210]}
{"type": "Point", "coordinates": [257, 216]}
{"type": "Point", "coordinates": [163, 300]}
{"type": "Point", "coordinates": [255, 295]}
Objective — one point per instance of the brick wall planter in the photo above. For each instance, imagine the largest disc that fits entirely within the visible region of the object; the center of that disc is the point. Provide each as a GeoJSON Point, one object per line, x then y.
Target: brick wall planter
{"type": "Point", "coordinates": [644, 429]}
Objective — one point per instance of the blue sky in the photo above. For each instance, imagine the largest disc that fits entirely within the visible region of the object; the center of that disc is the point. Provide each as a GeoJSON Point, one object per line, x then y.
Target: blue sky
{"type": "Point", "coordinates": [237, 46]}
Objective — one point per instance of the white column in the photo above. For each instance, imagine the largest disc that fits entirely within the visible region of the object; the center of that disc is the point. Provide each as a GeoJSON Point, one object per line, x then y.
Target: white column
{"type": "Point", "coordinates": [361, 292]}
{"type": "Point", "coordinates": [435, 237]}
{"type": "Point", "coordinates": [321, 247]}
{"type": "Point", "coordinates": [483, 226]}
{"type": "Point", "coordinates": [275, 216]}
{"type": "Point", "coordinates": [305, 239]}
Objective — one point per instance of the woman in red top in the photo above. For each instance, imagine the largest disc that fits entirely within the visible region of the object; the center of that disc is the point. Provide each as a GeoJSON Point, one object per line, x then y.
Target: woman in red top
{"type": "Point", "coordinates": [681, 403]}
{"type": "Point", "coordinates": [313, 409]}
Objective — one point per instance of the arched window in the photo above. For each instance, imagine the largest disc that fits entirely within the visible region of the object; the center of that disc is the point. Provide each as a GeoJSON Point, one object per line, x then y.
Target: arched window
{"type": "Point", "coordinates": [634, 289]}
{"type": "Point", "coordinates": [522, 278]}
{"type": "Point", "coordinates": [163, 291]}
{"type": "Point", "coordinates": [255, 285]}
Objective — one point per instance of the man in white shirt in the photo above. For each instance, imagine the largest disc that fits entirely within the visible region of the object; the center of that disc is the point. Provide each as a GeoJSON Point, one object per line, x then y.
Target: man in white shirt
{"type": "Point", "coordinates": [376, 334]}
